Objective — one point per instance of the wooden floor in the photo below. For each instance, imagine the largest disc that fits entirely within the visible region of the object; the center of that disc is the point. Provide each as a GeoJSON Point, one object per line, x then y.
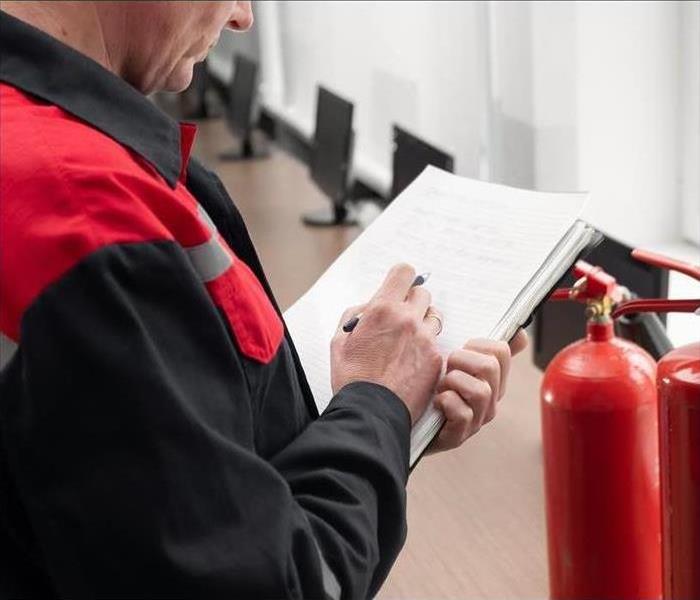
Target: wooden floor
{"type": "Point", "coordinates": [475, 515]}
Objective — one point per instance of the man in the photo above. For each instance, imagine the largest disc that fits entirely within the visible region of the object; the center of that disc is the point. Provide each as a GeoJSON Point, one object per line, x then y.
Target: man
{"type": "Point", "coordinates": [157, 435]}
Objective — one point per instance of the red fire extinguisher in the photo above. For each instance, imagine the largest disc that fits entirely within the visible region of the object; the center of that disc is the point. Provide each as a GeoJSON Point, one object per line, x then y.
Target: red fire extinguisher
{"type": "Point", "coordinates": [600, 442]}
{"type": "Point", "coordinates": [678, 384]}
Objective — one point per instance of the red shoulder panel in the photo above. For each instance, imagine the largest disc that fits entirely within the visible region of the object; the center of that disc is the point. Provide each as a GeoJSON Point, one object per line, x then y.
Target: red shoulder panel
{"type": "Point", "coordinates": [57, 203]}
{"type": "Point", "coordinates": [255, 323]}
{"type": "Point", "coordinates": [67, 190]}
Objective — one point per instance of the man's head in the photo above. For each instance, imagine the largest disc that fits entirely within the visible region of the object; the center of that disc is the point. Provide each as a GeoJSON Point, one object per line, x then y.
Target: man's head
{"type": "Point", "coordinates": [152, 45]}
{"type": "Point", "coordinates": [160, 42]}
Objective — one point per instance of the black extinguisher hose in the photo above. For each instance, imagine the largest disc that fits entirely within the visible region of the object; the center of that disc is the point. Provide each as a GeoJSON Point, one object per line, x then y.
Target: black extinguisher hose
{"type": "Point", "coordinates": [645, 330]}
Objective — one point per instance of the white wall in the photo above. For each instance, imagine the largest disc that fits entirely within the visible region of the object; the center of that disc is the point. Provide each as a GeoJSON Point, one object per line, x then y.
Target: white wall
{"type": "Point", "coordinates": [690, 119]}
{"type": "Point", "coordinates": [556, 95]}
{"type": "Point", "coordinates": [555, 101]}
{"type": "Point", "coordinates": [510, 52]}
{"type": "Point", "coordinates": [605, 94]}
{"type": "Point", "coordinates": [413, 63]}
{"type": "Point", "coordinates": [628, 92]}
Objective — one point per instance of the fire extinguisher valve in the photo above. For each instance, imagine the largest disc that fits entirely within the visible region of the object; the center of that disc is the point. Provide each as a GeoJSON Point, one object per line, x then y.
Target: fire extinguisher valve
{"type": "Point", "coordinates": [599, 309]}
{"type": "Point", "coordinates": [594, 287]}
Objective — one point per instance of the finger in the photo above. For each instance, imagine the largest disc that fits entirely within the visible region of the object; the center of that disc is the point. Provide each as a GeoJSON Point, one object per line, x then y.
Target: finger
{"type": "Point", "coordinates": [519, 342]}
{"type": "Point", "coordinates": [397, 283]}
{"type": "Point", "coordinates": [418, 300]}
{"type": "Point", "coordinates": [433, 321]}
{"type": "Point", "coordinates": [348, 314]}
{"type": "Point", "coordinates": [500, 351]}
{"type": "Point", "coordinates": [482, 365]}
{"type": "Point", "coordinates": [473, 391]}
{"type": "Point", "coordinates": [459, 419]}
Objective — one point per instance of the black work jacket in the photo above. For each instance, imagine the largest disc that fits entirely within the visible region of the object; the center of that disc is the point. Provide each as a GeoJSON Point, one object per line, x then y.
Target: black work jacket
{"type": "Point", "coordinates": [157, 434]}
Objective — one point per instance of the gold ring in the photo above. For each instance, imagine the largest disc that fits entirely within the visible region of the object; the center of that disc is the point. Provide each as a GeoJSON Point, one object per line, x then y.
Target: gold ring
{"type": "Point", "coordinates": [431, 314]}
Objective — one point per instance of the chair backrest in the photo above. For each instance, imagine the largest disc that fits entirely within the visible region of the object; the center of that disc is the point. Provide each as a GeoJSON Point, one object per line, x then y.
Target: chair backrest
{"type": "Point", "coordinates": [242, 89]}
{"type": "Point", "coordinates": [411, 156]}
{"type": "Point", "coordinates": [331, 153]}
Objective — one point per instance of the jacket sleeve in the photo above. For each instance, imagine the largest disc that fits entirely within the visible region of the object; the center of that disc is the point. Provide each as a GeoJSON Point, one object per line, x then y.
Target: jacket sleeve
{"type": "Point", "coordinates": [131, 445]}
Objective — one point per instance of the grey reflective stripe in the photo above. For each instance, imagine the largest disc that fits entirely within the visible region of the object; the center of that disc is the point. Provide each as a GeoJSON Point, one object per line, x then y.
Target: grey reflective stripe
{"type": "Point", "coordinates": [209, 259]}
{"type": "Point", "coordinates": [206, 218]}
{"type": "Point", "coordinates": [7, 350]}
{"type": "Point", "coordinates": [330, 582]}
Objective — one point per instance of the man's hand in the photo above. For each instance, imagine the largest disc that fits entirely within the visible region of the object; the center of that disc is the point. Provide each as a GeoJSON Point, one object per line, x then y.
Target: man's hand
{"type": "Point", "coordinates": [393, 343]}
{"type": "Point", "coordinates": [474, 382]}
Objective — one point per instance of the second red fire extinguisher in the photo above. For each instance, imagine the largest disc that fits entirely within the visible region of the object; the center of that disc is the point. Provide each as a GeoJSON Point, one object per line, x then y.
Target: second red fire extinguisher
{"type": "Point", "coordinates": [678, 385]}
{"type": "Point", "coordinates": [600, 442]}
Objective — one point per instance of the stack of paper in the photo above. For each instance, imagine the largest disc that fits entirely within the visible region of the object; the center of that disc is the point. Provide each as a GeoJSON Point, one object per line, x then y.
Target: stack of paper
{"type": "Point", "coordinates": [493, 252]}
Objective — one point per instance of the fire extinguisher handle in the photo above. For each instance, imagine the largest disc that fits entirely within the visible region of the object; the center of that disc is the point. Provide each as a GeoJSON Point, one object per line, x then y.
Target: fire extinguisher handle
{"type": "Point", "coordinates": [656, 305]}
{"type": "Point", "coordinates": [658, 260]}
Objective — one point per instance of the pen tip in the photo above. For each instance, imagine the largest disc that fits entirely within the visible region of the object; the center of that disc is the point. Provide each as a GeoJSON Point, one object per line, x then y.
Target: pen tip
{"type": "Point", "coordinates": [422, 278]}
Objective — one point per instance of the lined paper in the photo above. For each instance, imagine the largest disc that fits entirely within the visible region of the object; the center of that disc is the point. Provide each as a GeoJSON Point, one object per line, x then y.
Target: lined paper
{"type": "Point", "coordinates": [482, 243]}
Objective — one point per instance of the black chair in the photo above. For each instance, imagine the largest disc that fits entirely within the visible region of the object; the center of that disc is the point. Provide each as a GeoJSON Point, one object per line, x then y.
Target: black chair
{"type": "Point", "coordinates": [239, 110]}
{"type": "Point", "coordinates": [331, 156]}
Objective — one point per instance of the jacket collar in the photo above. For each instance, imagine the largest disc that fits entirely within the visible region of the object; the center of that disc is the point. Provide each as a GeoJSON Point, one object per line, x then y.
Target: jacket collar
{"type": "Point", "coordinates": [39, 64]}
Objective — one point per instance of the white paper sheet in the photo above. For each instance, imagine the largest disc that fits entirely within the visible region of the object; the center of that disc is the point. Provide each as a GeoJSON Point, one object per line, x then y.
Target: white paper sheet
{"type": "Point", "coordinates": [481, 242]}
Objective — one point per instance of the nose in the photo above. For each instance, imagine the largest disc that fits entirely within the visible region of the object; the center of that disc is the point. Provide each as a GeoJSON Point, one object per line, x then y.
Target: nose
{"type": "Point", "coordinates": [241, 17]}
